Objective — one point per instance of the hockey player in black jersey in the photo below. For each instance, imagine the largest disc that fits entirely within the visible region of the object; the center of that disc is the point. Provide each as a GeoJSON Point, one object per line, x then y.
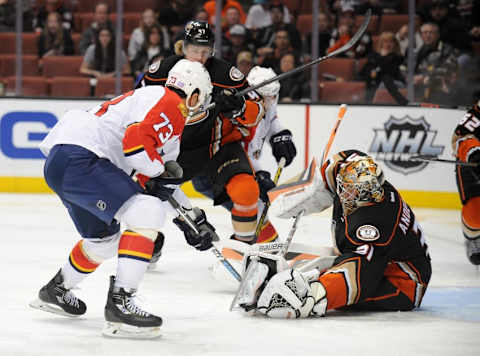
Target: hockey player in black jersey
{"type": "Point", "coordinates": [466, 145]}
{"type": "Point", "coordinates": [381, 258]}
{"type": "Point", "coordinates": [211, 143]}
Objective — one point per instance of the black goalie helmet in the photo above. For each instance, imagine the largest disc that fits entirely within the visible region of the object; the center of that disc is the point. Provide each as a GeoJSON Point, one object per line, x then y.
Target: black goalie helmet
{"type": "Point", "coordinates": [199, 33]}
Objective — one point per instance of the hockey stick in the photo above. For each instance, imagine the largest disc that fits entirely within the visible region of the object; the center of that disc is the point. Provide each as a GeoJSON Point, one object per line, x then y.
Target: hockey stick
{"type": "Point", "coordinates": [432, 158]}
{"type": "Point", "coordinates": [346, 47]}
{"type": "Point", "coordinates": [281, 164]}
{"type": "Point", "coordinates": [288, 241]}
{"type": "Point", "coordinates": [341, 113]}
{"type": "Point", "coordinates": [194, 227]}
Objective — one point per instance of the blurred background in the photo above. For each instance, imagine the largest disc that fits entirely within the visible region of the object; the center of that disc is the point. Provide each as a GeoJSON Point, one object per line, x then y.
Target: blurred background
{"type": "Point", "coordinates": [425, 51]}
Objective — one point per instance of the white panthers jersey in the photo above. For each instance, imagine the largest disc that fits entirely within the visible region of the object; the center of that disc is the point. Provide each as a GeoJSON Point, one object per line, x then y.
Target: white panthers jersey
{"type": "Point", "coordinates": [267, 127]}
{"type": "Point", "coordinates": [139, 130]}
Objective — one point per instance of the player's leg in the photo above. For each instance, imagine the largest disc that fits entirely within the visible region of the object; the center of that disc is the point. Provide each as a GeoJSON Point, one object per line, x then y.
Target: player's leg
{"type": "Point", "coordinates": [233, 178]}
{"type": "Point", "coordinates": [471, 229]}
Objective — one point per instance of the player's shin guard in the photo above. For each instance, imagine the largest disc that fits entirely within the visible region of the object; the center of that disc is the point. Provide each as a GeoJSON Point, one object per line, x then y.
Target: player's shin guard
{"type": "Point", "coordinates": [134, 254]}
{"type": "Point", "coordinates": [243, 191]}
{"type": "Point", "coordinates": [471, 229]}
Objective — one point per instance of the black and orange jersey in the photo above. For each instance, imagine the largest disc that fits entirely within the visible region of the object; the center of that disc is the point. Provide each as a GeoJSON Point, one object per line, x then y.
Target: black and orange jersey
{"type": "Point", "coordinates": [204, 138]}
{"type": "Point", "coordinates": [466, 145]}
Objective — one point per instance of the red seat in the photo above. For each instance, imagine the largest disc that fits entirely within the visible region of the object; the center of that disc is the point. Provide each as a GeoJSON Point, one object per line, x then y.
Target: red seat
{"type": "Point", "coordinates": [339, 67]}
{"type": "Point", "coordinates": [106, 86]}
{"type": "Point", "coordinates": [392, 23]}
{"type": "Point", "coordinates": [76, 41]}
{"type": "Point", "coordinates": [8, 43]}
{"type": "Point", "coordinates": [304, 23]}
{"type": "Point", "coordinates": [342, 92]}
{"type": "Point", "coordinates": [140, 5]}
{"type": "Point", "coordinates": [293, 6]}
{"type": "Point", "coordinates": [55, 66]}
{"type": "Point", "coordinates": [31, 86]}
{"type": "Point", "coordinates": [382, 96]}
{"type": "Point", "coordinates": [359, 64]}
{"type": "Point", "coordinates": [70, 87]}
{"type": "Point", "coordinates": [89, 5]}
{"type": "Point", "coordinates": [8, 65]}
{"type": "Point", "coordinates": [130, 21]}
{"type": "Point", "coordinates": [372, 26]}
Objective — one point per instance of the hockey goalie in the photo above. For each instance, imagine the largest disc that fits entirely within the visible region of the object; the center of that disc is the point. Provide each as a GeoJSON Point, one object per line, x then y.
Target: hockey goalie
{"type": "Point", "coordinates": [381, 259]}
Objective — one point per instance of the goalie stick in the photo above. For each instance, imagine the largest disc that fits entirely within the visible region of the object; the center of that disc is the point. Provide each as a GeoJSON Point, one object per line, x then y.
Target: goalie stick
{"type": "Point", "coordinates": [194, 227]}
{"type": "Point", "coordinates": [432, 158]}
{"type": "Point", "coordinates": [346, 47]}
{"type": "Point", "coordinates": [281, 165]}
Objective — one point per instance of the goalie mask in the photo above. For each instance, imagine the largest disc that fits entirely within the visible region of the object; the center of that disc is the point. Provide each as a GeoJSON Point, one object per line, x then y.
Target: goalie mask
{"type": "Point", "coordinates": [359, 183]}
{"type": "Point", "coordinates": [190, 78]}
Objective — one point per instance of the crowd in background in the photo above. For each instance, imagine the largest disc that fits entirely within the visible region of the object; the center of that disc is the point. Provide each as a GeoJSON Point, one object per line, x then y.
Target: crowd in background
{"type": "Point", "coordinates": [265, 32]}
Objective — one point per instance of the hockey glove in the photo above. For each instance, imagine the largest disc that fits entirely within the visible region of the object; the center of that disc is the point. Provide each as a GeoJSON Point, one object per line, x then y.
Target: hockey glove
{"type": "Point", "coordinates": [282, 146]}
{"type": "Point", "coordinates": [265, 183]}
{"type": "Point", "coordinates": [162, 187]}
{"type": "Point", "coordinates": [230, 106]}
{"type": "Point", "coordinates": [202, 240]}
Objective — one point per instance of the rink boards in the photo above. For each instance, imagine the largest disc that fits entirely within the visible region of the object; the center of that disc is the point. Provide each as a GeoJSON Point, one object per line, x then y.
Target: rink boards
{"type": "Point", "coordinates": [391, 134]}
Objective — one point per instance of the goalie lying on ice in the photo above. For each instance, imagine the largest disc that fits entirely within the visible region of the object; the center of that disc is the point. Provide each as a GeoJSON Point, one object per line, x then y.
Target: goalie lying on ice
{"type": "Point", "coordinates": [382, 260]}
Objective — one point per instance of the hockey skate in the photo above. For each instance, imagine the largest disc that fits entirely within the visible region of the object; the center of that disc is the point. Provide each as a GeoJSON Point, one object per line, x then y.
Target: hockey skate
{"type": "Point", "coordinates": [55, 298]}
{"type": "Point", "coordinates": [473, 250]}
{"type": "Point", "coordinates": [157, 251]}
{"type": "Point", "coordinates": [125, 319]}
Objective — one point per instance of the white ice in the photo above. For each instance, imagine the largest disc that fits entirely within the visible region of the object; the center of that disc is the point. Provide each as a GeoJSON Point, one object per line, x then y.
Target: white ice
{"type": "Point", "coordinates": [37, 236]}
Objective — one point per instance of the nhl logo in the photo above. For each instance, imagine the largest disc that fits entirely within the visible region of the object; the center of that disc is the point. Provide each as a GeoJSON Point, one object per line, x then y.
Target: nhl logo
{"type": "Point", "coordinates": [401, 138]}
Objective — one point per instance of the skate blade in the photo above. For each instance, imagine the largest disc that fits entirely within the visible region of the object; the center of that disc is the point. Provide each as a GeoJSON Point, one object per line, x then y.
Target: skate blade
{"type": "Point", "coordinates": [50, 308]}
{"type": "Point", "coordinates": [125, 331]}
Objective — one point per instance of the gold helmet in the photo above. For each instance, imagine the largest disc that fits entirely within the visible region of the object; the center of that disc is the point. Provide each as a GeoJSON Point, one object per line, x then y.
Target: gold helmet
{"type": "Point", "coordinates": [359, 182]}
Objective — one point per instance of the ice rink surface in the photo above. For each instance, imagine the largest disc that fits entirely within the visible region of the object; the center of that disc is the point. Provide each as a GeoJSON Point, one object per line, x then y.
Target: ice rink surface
{"type": "Point", "coordinates": [38, 236]}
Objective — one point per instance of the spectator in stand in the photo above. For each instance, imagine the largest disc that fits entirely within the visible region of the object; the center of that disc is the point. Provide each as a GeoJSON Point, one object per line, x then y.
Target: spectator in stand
{"type": "Point", "coordinates": [151, 47]}
{"type": "Point", "coordinates": [344, 31]}
{"type": "Point", "coordinates": [291, 88]}
{"type": "Point", "coordinates": [40, 18]}
{"type": "Point", "coordinates": [209, 6]}
{"type": "Point", "coordinates": [259, 15]}
{"type": "Point", "coordinates": [137, 38]}
{"type": "Point", "coordinates": [100, 20]}
{"type": "Point", "coordinates": [7, 16]}
{"type": "Point", "coordinates": [435, 67]}
{"type": "Point", "coordinates": [237, 41]}
{"type": "Point", "coordinates": [231, 18]}
{"type": "Point", "coordinates": [245, 62]}
{"type": "Point", "coordinates": [54, 39]}
{"type": "Point", "coordinates": [201, 15]}
{"type": "Point", "coordinates": [99, 59]}
{"type": "Point", "coordinates": [473, 20]}
{"type": "Point", "coordinates": [324, 36]}
{"type": "Point", "coordinates": [378, 7]}
{"type": "Point", "coordinates": [452, 30]}
{"type": "Point", "coordinates": [270, 56]}
{"type": "Point", "coordinates": [383, 66]}
{"type": "Point", "coordinates": [266, 35]}
{"type": "Point", "coordinates": [175, 16]}
{"type": "Point", "coordinates": [402, 36]}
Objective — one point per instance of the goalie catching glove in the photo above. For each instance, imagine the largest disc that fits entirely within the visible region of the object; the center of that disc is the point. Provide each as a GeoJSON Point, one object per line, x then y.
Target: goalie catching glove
{"type": "Point", "coordinates": [206, 232]}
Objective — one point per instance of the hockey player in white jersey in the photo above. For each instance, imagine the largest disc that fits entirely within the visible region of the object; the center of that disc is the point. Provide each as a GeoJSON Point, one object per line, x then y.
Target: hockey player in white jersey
{"type": "Point", "coordinates": [91, 157]}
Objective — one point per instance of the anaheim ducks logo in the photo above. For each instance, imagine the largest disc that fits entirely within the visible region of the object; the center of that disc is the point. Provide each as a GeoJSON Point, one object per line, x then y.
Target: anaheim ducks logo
{"type": "Point", "coordinates": [235, 74]}
{"type": "Point", "coordinates": [183, 109]}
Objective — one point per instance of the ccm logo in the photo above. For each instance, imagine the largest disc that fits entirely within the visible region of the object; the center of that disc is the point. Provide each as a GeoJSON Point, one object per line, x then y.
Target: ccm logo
{"type": "Point", "coordinates": [22, 131]}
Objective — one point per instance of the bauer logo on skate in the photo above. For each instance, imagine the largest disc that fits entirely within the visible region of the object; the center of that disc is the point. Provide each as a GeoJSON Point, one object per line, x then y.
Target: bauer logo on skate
{"type": "Point", "coordinates": [22, 131]}
{"type": "Point", "coordinates": [401, 138]}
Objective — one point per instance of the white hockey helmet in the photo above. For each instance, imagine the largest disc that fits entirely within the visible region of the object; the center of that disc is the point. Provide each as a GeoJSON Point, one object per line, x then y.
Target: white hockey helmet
{"type": "Point", "coordinates": [191, 77]}
{"type": "Point", "coordinates": [258, 75]}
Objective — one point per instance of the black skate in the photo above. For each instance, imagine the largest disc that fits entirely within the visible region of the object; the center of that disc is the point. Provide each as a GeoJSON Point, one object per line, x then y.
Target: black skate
{"type": "Point", "coordinates": [157, 251]}
{"type": "Point", "coordinates": [126, 319]}
{"type": "Point", "coordinates": [473, 250]}
{"type": "Point", "coordinates": [55, 298]}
